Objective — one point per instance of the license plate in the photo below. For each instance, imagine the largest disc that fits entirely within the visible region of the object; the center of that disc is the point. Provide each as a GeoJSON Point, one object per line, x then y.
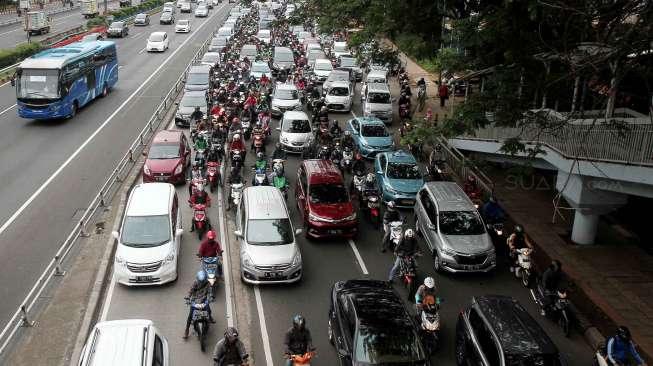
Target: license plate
{"type": "Point", "coordinates": [143, 278]}
{"type": "Point", "coordinates": [161, 179]}
{"type": "Point", "coordinates": [198, 314]}
{"type": "Point", "coordinates": [335, 232]}
{"type": "Point", "coordinates": [408, 202]}
{"type": "Point", "coordinates": [273, 274]}
{"type": "Point", "coordinates": [212, 266]}
{"type": "Point", "coordinates": [473, 267]}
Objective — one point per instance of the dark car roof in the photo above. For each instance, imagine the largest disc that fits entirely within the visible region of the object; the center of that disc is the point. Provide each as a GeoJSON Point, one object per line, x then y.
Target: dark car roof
{"type": "Point", "coordinates": [376, 304]}
{"type": "Point", "coordinates": [322, 172]}
{"type": "Point", "coordinates": [516, 330]}
{"type": "Point", "coordinates": [166, 136]}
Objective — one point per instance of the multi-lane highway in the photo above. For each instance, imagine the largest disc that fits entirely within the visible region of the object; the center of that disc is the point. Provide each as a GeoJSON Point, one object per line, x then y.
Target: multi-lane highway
{"type": "Point", "coordinates": [14, 34]}
{"type": "Point", "coordinates": [51, 170]}
{"type": "Point", "coordinates": [265, 312]}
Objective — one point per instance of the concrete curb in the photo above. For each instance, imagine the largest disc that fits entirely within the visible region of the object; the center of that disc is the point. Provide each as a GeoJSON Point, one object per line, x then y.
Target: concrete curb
{"type": "Point", "coordinates": [106, 264]}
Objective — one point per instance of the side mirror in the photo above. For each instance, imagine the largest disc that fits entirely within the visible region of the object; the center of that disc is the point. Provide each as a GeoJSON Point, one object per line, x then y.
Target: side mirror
{"type": "Point", "coordinates": [355, 132]}
{"type": "Point", "coordinates": [393, 100]}
{"type": "Point", "coordinates": [431, 226]}
{"type": "Point", "coordinates": [278, 128]}
{"type": "Point", "coordinates": [298, 231]}
{"type": "Point", "coordinates": [115, 234]}
{"type": "Point", "coordinates": [238, 233]}
{"type": "Point", "coordinates": [13, 81]}
{"type": "Point", "coordinates": [179, 232]}
{"type": "Point", "coordinates": [379, 172]}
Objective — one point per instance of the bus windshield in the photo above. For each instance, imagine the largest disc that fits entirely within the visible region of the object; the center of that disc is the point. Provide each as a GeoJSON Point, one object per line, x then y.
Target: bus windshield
{"type": "Point", "coordinates": [39, 84]}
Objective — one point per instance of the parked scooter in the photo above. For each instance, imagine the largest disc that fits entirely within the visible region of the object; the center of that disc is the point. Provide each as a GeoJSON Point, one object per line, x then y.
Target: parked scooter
{"type": "Point", "coordinates": [200, 320]}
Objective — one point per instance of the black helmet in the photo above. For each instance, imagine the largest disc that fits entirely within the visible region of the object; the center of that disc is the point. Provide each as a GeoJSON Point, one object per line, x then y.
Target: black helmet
{"type": "Point", "coordinates": [624, 333]}
{"type": "Point", "coordinates": [298, 322]}
{"type": "Point", "coordinates": [438, 147]}
{"type": "Point", "coordinates": [231, 334]}
{"type": "Point", "coordinates": [197, 108]}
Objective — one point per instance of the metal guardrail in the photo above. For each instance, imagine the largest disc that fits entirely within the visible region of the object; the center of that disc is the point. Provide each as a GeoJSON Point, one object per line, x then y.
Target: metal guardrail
{"type": "Point", "coordinates": [61, 35]}
{"type": "Point", "coordinates": [111, 186]}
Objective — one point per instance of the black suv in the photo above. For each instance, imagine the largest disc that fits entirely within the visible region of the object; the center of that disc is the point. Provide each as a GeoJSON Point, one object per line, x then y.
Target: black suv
{"type": "Point", "coordinates": [497, 331]}
{"type": "Point", "coordinates": [369, 325]}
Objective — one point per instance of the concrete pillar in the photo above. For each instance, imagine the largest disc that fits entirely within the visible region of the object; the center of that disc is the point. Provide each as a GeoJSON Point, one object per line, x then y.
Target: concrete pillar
{"type": "Point", "coordinates": [585, 225]}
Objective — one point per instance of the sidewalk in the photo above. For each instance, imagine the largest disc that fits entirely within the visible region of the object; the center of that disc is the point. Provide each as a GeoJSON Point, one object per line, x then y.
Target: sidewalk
{"type": "Point", "coordinates": [613, 283]}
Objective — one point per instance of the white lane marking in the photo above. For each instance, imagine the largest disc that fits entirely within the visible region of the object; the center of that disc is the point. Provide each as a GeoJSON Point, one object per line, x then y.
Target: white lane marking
{"type": "Point", "coordinates": [8, 108]}
{"type": "Point", "coordinates": [107, 299]}
{"type": "Point", "coordinates": [120, 67]}
{"type": "Point", "coordinates": [361, 263]}
{"type": "Point", "coordinates": [136, 36]}
{"type": "Point", "coordinates": [141, 51]}
{"type": "Point", "coordinates": [264, 328]}
{"type": "Point", "coordinates": [24, 206]}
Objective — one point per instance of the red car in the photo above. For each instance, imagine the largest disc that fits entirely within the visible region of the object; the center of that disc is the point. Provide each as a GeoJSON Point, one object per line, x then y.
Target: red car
{"type": "Point", "coordinates": [323, 201]}
{"type": "Point", "coordinates": [168, 158]}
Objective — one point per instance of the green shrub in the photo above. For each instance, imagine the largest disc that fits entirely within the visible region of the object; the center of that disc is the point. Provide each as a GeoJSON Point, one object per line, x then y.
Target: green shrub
{"type": "Point", "coordinates": [11, 56]}
{"type": "Point", "coordinates": [413, 45]}
{"type": "Point", "coordinates": [94, 22]}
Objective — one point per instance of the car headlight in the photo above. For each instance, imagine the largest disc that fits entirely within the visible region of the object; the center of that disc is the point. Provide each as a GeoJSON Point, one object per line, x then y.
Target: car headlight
{"type": "Point", "coordinates": [390, 189]}
{"type": "Point", "coordinates": [317, 218]}
{"type": "Point", "coordinates": [146, 169]}
{"type": "Point", "coordinates": [297, 259]}
{"type": "Point", "coordinates": [350, 217]}
{"type": "Point", "coordinates": [448, 251]}
{"type": "Point", "coordinates": [178, 169]}
{"type": "Point", "coordinates": [247, 260]}
{"type": "Point", "coordinates": [284, 140]}
{"type": "Point", "coordinates": [169, 258]}
{"type": "Point", "coordinates": [119, 260]}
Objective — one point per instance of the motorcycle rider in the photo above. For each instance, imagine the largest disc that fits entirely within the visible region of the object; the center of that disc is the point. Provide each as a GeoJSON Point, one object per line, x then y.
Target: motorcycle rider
{"type": "Point", "coordinates": [358, 164]}
{"type": "Point", "coordinates": [492, 212]}
{"type": "Point", "coordinates": [279, 152]}
{"type": "Point", "coordinates": [237, 144]}
{"type": "Point", "coordinates": [216, 110]}
{"type": "Point", "coordinates": [297, 340]}
{"type": "Point", "coordinates": [424, 291]}
{"type": "Point", "coordinates": [324, 154]}
{"type": "Point", "coordinates": [406, 247]}
{"type": "Point", "coordinates": [517, 240]}
{"type": "Point", "coordinates": [621, 349]}
{"type": "Point", "coordinates": [347, 140]}
{"type": "Point", "coordinates": [195, 173]}
{"type": "Point", "coordinates": [471, 187]}
{"type": "Point", "coordinates": [198, 293]}
{"type": "Point", "coordinates": [391, 214]}
{"type": "Point", "coordinates": [336, 154]}
{"type": "Point", "coordinates": [437, 156]}
{"type": "Point", "coordinates": [199, 196]}
{"type": "Point", "coordinates": [404, 99]}
{"type": "Point", "coordinates": [209, 247]}
{"type": "Point", "coordinates": [320, 110]}
{"type": "Point", "coordinates": [335, 129]}
{"type": "Point", "coordinates": [230, 350]}
{"type": "Point", "coordinates": [197, 115]}
{"type": "Point", "coordinates": [257, 130]}
{"type": "Point", "coordinates": [551, 283]}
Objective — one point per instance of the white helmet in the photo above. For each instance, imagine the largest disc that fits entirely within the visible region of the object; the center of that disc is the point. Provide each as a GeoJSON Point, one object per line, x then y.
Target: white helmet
{"type": "Point", "coordinates": [370, 178]}
{"type": "Point", "coordinates": [429, 282]}
{"type": "Point", "coordinates": [236, 137]}
{"type": "Point", "coordinates": [409, 233]}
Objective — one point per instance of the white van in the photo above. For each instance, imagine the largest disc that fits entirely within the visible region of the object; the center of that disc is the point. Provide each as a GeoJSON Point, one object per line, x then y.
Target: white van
{"type": "Point", "coordinates": [125, 342]}
{"type": "Point", "coordinates": [268, 250]}
{"type": "Point", "coordinates": [150, 236]}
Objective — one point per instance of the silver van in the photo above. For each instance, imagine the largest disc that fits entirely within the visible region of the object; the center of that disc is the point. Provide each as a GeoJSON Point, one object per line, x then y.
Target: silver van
{"type": "Point", "coordinates": [125, 342]}
{"type": "Point", "coordinates": [453, 229]}
{"type": "Point", "coordinates": [377, 101]}
{"type": "Point", "coordinates": [198, 78]}
{"type": "Point", "coordinates": [268, 250]}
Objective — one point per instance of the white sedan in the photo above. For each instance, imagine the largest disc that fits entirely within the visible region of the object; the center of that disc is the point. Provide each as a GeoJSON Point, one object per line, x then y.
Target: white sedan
{"type": "Point", "coordinates": [182, 26]}
{"type": "Point", "coordinates": [202, 11]}
{"type": "Point", "coordinates": [158, 41]}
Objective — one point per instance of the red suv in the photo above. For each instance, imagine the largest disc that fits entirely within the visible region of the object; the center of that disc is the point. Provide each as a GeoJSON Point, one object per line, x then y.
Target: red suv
{"type": "Point", "coordinates": [168, 158]}
{"type": "Point", "coordinates": [323, 201]}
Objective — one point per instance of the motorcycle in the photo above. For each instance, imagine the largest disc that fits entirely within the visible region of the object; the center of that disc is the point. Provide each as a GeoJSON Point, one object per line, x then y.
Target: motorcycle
{"type": "Point", "coordinates": [358, 182]}
{"type": "Point", "coordinates": [235, 195]}
{"type": "Point", "coordinates": [408, 273]}
{"type": "Point", "coordinates": [196, 184]}
{"type": "Point", "coordinates": [210, 266]}
{"type": "Point", "coordinates": [373, 210]}
{"type": "Point", "coordinates": [260, 177]}
{"type": "Point", "coordinates": [201, 222]}
{"type": "Point", "coordinates": [246, 126]}
{"type": "Point", "coordinates": [216, 150]}
{"type": "Point", "coordinates": [258, 143]}
{"type": "Point", "coordinates": [396, 232]}
{"type": "Point", "coordinates": [523, 268]}
{"type": "Point", "coordinates": [429, 321]}
{"type": "Point", "coordinates": [558, 310]}
{"type": "Point", "coordinates": [437, 172]}
{"type": "Point", "coordinates": [347, 160]}
{"type": "Point", "coordinates": [200, 158]}
{"type": "Point", "coordinates": [200, 320]}
{"type": "Point", "coordinates": [213, 174]}
{"type": "Point", "coordinates": [405, 127]}
{"type": "Point", "coordinates": [302, 360]}
{"type": "Point", "coordinates": [280, 182]}
{"type": "Point", "coordinates": [404, 111]}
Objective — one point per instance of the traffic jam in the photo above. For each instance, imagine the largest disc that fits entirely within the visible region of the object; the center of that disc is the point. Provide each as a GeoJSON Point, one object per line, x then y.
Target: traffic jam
{"type": "Point", "coordinates": [284, 164]}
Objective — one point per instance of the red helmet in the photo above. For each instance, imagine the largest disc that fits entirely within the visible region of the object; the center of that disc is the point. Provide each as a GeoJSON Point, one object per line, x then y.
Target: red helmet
{"type": "Point", "coordinates": [210, 235]}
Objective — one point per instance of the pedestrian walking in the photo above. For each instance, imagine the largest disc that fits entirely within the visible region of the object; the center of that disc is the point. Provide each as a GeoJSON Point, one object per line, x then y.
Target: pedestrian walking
{"type": "Point", "coordinates": [443, 93]}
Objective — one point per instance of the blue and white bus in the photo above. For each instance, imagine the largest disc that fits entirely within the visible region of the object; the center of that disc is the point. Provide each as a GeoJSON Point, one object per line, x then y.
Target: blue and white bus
{"type": "Point", "coordinates": [56, 82]}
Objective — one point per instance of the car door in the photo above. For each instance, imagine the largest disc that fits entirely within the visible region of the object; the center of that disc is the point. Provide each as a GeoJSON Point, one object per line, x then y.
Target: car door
{"type": "Point", "coordinates": [354, 128]}
{"type": "Point", "coordinates": [165, 41]}
{"type": "Point", "coordinates": [185, 151]}
{"type": "Point", "coordinates": [301, 190]}
{"type": "Point", "coordinates": [379, 168]}
{"type": "Point", "coordinates": [428, 219]}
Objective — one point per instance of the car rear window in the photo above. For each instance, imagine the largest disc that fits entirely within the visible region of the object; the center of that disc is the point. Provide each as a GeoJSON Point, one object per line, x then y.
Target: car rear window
{"type": "Point", "coordinates": [383, 98]}
{"type": "Point", "coordinates": [460, 223]}
{"type": "Point", "coordinates": [328, 193]}
{"type": "Point", "coordinates": [145, 231]}
{"type": "Point", "coordinates": [403, 171]}
{"type": "Point", "coordinates": [163, 151]}
{"type": "Point", "coordinates": [157, 37]}
{"type": "Point", "coordinates": [297, 126]}
{"type": "Point", "coordinates": [387, 346]}
{"type": "Point", "coordinates": [269, 232]}
{"type": "Point", "coordinates": [286, 94]}
{"type": "Point", "coordinates": [374, 131]}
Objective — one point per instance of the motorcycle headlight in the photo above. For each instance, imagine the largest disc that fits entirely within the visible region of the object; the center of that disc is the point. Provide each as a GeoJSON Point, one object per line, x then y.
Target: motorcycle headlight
{"type": "Point", "coordinates": [146, 169]}
{"type": "Point", "coordinates": [169, 258]}
{"type": "Point", "coordinates": [178, 169]}
{"type": "Point", "coordinates": [247, 260]}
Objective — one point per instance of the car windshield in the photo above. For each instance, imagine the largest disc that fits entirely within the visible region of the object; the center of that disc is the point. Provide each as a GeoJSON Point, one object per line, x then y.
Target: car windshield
{"type": "Point", "coordinates": [183, 22]}
{"type": "Point", "coordinates": [347, 62]}
{"type": "Point", "coordinates": [314, 55]}
{"type": "Point", "coordinates": [145, 231]}
{"type": "Point", "coordinates": [460, 223]}
{"type": "Point", "coordinates": [141, 16]}
{"type": "Point", "coordinates": [338, 76]}
{"type": "Point", "coordinates": [156, 37]}
{"type": "Point", "coordinates": [391, 346]}
{"type": "Point", "coordinates": [326, 66]}
{"type": "Point", "coordinates": [297, 126]}
{"type": "Point", "coordinates": [378, 98]}
{"type": "Point", "coordinates": [117, 25]}
{"type": "Point", "coordinates": [202, 8]}
{"type": "Point", "coordinates": [260, 67]}
{"type": "Point", "coordinates": [38, 84]}
{"type": "Point", "coordinates": [284, 57]}
{"type": "Point", "coordinates": [163, 151]}
{"type": "Point", "coordinates": [286, 94]}
{"type": "Point", "coordinates": [197, 78]}
{"type": "Point", "coordinates": [269, 232]}
{"type": "Point", "coordinates": [403, 171]}
{"type": "Point", "coordinates": [166, 15]}
{"type": "Point", "coordinates": [328, 193]}
{"type": "Point", "coordinates": [374, 131]}
{"type": "Point", "coordinates": [339, 91]}
{"type": "Point", "coordinates": [193, 101]}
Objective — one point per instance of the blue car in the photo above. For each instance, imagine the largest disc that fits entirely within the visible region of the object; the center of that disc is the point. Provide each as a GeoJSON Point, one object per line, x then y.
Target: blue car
{"type": "Point", "coordinates": [371, 136]}
{"type": "Point", "coordinates": [398, 177]}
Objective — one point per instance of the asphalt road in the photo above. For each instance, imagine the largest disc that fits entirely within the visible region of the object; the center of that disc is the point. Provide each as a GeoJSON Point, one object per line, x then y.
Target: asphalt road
{"type": "Point", "coordinates": [42, 188]}
{"type": "Point", "coordinates": [12, 35]}
{"type": "Point", "coordinates": [269, 309]}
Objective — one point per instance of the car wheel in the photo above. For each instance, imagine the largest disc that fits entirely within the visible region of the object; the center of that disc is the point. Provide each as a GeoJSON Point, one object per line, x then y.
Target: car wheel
{"type": "Point", "coordinates": [417, 230]}
{"type": "Point", "coordinates": [73, 110]}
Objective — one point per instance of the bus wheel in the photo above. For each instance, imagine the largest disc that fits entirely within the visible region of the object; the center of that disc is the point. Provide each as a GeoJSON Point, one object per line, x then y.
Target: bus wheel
{"type": "Point", "coordinates": [73, 110]}
{"type": "Point", "coordinates": [105, 91]}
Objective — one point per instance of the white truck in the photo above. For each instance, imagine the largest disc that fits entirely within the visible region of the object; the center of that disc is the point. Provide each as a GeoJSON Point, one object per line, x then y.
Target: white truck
{"type": "Point", "coordinates": [89, 8]}
{"type": "Point", "coordinates": [37, 22]}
